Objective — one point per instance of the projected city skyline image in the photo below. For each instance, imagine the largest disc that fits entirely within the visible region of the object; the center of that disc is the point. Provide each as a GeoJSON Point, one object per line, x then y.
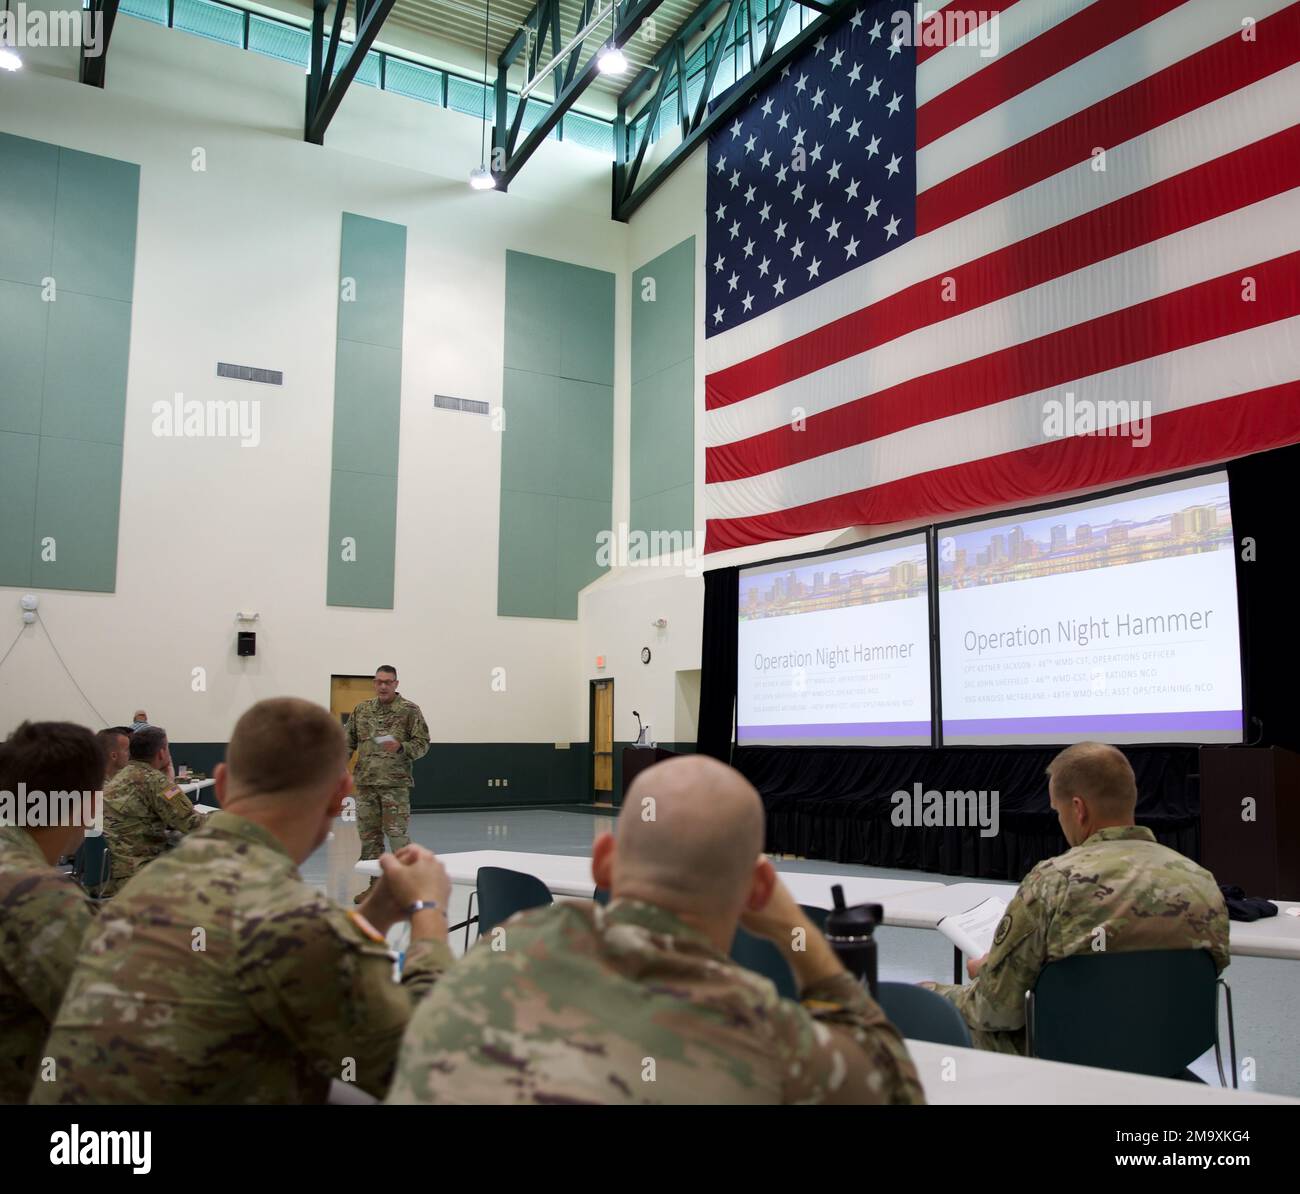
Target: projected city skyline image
{"type": "Point", "coordinates": [891, 574]}
{"type": "Point", "coordinates": [1128, 531]}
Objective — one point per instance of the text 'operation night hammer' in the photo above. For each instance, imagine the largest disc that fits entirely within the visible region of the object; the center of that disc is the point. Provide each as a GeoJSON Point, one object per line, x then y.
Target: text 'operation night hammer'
{"type": "Point", "coordinates": [849, 931]}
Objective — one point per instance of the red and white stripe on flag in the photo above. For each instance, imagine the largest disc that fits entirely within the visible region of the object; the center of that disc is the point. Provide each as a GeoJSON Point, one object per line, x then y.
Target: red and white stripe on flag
{"type": "Point", "coordinates": [1109, 208]}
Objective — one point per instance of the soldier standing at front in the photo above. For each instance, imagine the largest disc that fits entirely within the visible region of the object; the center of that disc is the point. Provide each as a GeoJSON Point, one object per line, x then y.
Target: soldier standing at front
{"type": "Point", "coordinates": [389, 734]}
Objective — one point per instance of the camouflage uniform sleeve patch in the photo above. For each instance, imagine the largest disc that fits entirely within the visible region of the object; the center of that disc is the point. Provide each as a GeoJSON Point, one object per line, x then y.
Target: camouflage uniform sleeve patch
{"type": "Point", "coordinates": [1004, 927]}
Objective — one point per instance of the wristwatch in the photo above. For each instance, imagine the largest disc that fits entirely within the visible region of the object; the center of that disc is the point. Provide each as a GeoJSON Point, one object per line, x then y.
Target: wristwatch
{"type": "Point", "coordinates": [423, 905]}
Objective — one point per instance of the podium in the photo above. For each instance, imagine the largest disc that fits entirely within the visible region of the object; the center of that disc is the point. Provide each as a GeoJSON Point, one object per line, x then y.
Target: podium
{"type": "Point", "coordinates": [637, 758]}
{"type": "Point", "coordinates": [1261, 855]}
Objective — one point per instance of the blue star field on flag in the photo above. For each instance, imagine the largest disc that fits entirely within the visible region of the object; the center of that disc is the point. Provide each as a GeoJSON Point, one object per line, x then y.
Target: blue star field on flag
{"type": "Point", "coordinates": [817, 175]}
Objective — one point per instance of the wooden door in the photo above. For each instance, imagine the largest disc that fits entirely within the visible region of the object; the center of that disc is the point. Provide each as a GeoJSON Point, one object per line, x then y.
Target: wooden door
{"type": "Point", "coordinates": [346, 693]}
{"type": "Point", "coordinates": [602, 740]}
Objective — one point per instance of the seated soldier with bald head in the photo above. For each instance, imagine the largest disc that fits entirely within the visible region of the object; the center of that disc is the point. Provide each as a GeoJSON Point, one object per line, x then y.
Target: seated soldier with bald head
{"type": "Point", "coordinates": [1116, 889]}
{"type": "Point", "coordinates": [639, 1002]}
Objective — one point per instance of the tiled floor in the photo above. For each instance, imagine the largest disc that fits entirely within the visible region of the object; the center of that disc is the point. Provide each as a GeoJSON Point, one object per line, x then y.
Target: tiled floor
{"type": "Point", "coordinates": [1263, 990]}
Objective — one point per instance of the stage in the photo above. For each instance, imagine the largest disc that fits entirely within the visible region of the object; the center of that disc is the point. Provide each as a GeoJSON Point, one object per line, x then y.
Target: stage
{"type": "Point", "coordinates": [839, 804]}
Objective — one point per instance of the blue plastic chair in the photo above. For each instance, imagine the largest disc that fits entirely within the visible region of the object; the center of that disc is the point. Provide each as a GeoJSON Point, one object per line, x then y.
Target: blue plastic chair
{"type": "Point", "coordinates": [502, 893]}
{"type": "Point", "coordinates": [93, 865]}
{"type": "Point", "coordinates": [922, 1015]}
{"type": "Point", "coordinates": [1146, 1012]}
{"type": "Point", "coordinates": [763, 957]}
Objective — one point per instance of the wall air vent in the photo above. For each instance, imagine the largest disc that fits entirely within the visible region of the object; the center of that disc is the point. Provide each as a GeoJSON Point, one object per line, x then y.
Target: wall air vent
{"type": "Point", "coordinates": [469, 405]}
{"type": "Point", "coordinates": [268, 377]}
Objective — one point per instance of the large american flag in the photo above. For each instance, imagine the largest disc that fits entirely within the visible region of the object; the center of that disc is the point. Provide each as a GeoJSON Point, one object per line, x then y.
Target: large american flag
{"type": "Point", "coordinates": [1107, 207]}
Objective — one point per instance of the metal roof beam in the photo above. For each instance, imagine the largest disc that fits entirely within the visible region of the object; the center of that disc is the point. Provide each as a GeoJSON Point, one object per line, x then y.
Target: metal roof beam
{"type": "Point", "coordinates": [627, 196]}
{"type": "Point", "coordinates": [325, 89]}
{"type": "Point", "coordinates": [92, 69]}
{"type": "Point", "coordinates": [509, 150]}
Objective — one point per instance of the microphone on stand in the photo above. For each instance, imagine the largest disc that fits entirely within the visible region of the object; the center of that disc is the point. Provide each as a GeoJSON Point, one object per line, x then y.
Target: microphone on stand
{"type": "Point", "coordinates": [640, 729]}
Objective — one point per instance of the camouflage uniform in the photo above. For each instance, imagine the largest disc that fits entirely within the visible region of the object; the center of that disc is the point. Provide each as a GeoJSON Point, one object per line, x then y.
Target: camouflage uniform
{"type": "Point", "coordinates": [383, 778]}
{"type": "Point", "coordinates": [627, 1004]}
{"type": "Point", "coordinates": [43, 917]}
{"type": "Point", "coordinates": [1143, 895]}
{"type": "Point", "coordinates": [140, 805]}
{"type": "Point", "coordinates": [287, 991]}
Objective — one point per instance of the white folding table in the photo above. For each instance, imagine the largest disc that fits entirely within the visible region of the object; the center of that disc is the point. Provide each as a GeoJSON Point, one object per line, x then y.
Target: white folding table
{"type": "Point", "coordinates": [952, 1075]}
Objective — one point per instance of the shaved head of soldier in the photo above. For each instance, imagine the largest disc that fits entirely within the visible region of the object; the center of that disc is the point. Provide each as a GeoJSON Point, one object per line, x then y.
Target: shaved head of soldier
{"type": "Point", "coordinates": [1091, 786]}
{"type": "Point", "coordinates": [286, 768]}
{"type": "Point", "coordinates": [689, 839]}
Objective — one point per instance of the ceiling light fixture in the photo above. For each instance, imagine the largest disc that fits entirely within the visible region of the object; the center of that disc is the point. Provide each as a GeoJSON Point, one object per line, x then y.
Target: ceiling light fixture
{"type": "Point", "coordinates": [480, 178]}
{"type": "Point", "coordinates": [611, 60]}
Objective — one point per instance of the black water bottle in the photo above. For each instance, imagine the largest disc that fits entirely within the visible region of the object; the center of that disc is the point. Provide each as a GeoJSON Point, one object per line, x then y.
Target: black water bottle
{"type": "Point", "coordinates": [849, 931]}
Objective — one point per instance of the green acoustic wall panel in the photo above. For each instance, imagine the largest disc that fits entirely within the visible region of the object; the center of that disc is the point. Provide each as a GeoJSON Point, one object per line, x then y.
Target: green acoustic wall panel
{"type": "Point", "coordinates": [662, 441]}
{"type": "Point", "coordinates": [663, 310]}
{"type": "Point", "coordinates": [663, 430]}
{"type": "Point", "coordinates": [578, 524]}
{"type": "Point", "coordinates": [558, 442]}
{"type": "Point", "coordinates": [373, 255]}
{"type": "Point", "coordinates": [363, 511]}
{"type": "Point", "coordinates": [587, 309]}
{"type": "Point", "coordinates": [18, 459]}
{"type": "Point", "coordinates": [85, 368]}
{"type": "Point", "coordinates": [29, 176]}
{"type": "Point", "coordinates": [584, 458]}
{"type": "Point", "coordinates": [67, 270]}
{"type": "Point", "coordinates": [666, 517]}
{"type": "Point", "coordinates": [77, 493]}
{"type": "Point", "coordinates": [94, 225]}
{"type": "Point", "coordinates": [23, 321]}
{"type": "Point", "coordinates": [366, 431]}
{"type": "Point", "coordinates": [534, 298]}
{"type": "Point", "coordinates": [367, 413]}
{"type": "Point", "coordinates": [528, 445]}
{"type": "Point", "coordinates": [526, 573]}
